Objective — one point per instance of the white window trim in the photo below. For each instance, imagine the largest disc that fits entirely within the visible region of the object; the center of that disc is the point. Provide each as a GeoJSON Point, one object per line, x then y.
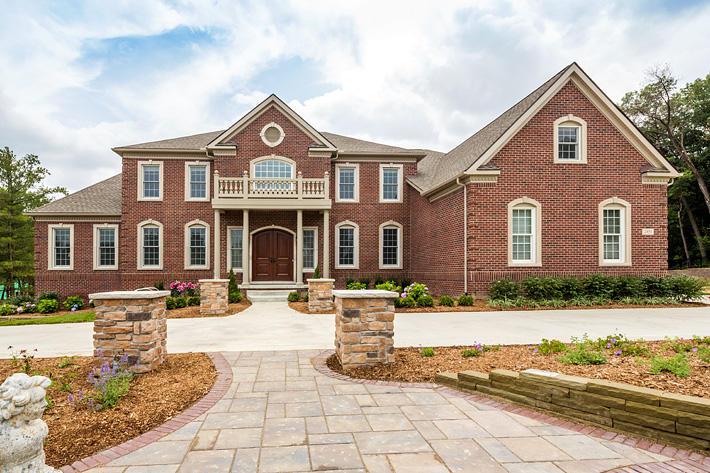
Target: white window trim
{"type": "Point", "coordinates": [139, 263]}
{"type": "Point", "coordinates": [315, 249]}
{"type": "Point", "coordinates": [188, 225]}
{"type": "Point", "coordinates": [188, 197]}
{"type": "Point", "coordinates": [229, 249]}
{"type": "Point", "coordinates": [536, 244]}
{"type": "Point", "coordinates": [571, 121]}
{"type": "Point", "coordinates": [356, 243]}
{"type": "Point", "coordinates": [263, 134]}
{"type": "Point", "coordinates": [272, 157]}
{"type": "Point", "coordinates": [391, 223]}
{"type": "Point", "coordinates": [356, 191]}
{"type": "Point", "coordinates": [97, 259]}
{"type": "Point", "coordinates": [50, 253]}
{"type": "Point", "coordinates": [140, 180]}
{"type": "Point", "coordinates": [400, 181]}
{"type": "Point", "coordinates": [617, 203]}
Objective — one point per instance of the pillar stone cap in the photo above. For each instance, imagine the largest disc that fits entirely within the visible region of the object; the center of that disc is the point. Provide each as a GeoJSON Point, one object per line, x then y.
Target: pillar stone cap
{"type": "Point", "coordinates": [320, 280]}
{"type": "Point", "coordinates": [129, 295]}
{"type": "Point", "coordinates": [365, 294]}
{"type": "Point", "coordinates": [212, 280]}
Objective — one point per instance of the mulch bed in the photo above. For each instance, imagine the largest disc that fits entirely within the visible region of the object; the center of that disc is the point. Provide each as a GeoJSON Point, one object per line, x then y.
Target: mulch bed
{"type": "Point", "coordinates": [194, 311]}
{"type": "Point", "coordinates": [410, 366]}
{"type": "Point", "coordinates": [152, 399]}
{"type": "Point", "coordinates": [481, 305]}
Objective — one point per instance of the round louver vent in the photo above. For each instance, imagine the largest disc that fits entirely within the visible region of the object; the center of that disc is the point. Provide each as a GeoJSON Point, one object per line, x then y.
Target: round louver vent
{"type": "Point", "coordinates": [272, 134]}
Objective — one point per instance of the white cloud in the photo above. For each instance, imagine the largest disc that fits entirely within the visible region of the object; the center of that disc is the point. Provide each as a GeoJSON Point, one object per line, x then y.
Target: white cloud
{"type": "Point", "coordinates": [418, 74]}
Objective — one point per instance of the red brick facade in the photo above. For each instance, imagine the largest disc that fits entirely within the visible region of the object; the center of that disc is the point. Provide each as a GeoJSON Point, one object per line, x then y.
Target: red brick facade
{"type": "Point", "coordinates": [432, 230]}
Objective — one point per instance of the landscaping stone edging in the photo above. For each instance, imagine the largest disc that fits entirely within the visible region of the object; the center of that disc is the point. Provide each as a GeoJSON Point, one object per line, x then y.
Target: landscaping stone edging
{"type": "Point", "coordinates": [684, 459]}
{"type": "Point", "coordinates": [219, 389]}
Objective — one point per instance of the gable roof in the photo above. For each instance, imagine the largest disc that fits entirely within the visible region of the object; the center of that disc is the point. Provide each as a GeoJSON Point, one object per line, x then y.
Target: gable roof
{"type": "Point", "coordinates": [272, 101]}
{"type": "Point", "coordinates": [101, 199]}
{"type": "Point", "coordinates": [473, 155]}
{"type": "Point", "coordinates": [191, 142]}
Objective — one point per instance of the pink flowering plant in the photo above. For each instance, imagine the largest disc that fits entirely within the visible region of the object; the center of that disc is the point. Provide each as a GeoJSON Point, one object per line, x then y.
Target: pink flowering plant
{"type": "Point", "coordinates": [415, 290]}
{"type": "Point", "coordinates": [184, 289]}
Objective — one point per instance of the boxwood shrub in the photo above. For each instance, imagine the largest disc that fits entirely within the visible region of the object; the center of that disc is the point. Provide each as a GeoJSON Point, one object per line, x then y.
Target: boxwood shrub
{"type": "Point", "coordinates": [193, 300]}
{"type": "Point", "coordinates": [446, 301]}
{"type": "Point", "coordinates": [504, 289]}
{"type": "Point", "coordinates": [425, 300]}
{"type": "Point", "coordinates": [466, 300]}
{"type": "Point", "coordinates": [180, 302]}
{"type": "Point", "coordinates": [47, 306]}
{"type": "Point", "coordinates": [293, 296]}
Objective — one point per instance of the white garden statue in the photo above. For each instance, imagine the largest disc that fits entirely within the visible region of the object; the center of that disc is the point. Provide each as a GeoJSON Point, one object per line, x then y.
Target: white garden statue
{"type": "Point", "coordinates": [22, 431]}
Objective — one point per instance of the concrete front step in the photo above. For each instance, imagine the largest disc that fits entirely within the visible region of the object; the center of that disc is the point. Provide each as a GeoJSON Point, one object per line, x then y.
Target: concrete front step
{"type": "Point", "coordinates": [267, 295]}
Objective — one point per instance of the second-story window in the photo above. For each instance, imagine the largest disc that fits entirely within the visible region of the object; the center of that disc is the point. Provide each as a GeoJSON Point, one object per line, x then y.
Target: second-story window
{"type": "Point", "coordinates": [197, 177]}
{"type": "Point", "coordinates": [150, 175]}
{"type": "Point", "coordinates": [390, 183]}
{"type": "Point", "coordinates": [346, 183]}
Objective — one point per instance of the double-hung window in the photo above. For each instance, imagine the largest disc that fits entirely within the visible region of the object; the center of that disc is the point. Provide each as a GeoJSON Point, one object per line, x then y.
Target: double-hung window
{"type": "Point", "coordinates": [347, 245]}
{"type": "Point", "coordinates": [235, 249]}
{"type": "Point", "coordinates": [197, 181]}
{"type": "Point", "coordinates": [390, 245]}
{"type": "Point", "coordinates": [524, 227]}
{"type": "Point", "coordinates": [105, 246]}
{"type": "Point", "coordinates": [197, 245]}
{"type": "Point", "coordinates": [568, 143]}
{"type": "Point", "coordinates": [346, 183]}
{"type": "Point", "coordinates": [390, 183]}
{"type": "Point", "coordinates": [570, 134]}
{"type": "Point", "coordinates": [309, 249]}
{"type": "Point", "coordinates": [61, 243]}
{"type": "Point", "coordinates": [614, 232]}
{"type": "Point", "coordinates": [151, 187]}
{"type": "Point", "coordinates": [151, 246]}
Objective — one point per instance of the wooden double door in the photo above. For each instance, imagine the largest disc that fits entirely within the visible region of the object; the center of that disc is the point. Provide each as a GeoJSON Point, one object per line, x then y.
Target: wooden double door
{"type": "Point", "coordinates": [272, 256]}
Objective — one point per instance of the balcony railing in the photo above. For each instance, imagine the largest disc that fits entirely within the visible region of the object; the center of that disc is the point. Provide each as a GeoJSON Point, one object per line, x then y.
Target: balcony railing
{"type": "Point", "coordinates": [262, 188]}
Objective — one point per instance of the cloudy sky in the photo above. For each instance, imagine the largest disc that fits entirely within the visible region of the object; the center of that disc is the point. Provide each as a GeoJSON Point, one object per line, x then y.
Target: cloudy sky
{"type": "Point", "coordinates": [78, 78]}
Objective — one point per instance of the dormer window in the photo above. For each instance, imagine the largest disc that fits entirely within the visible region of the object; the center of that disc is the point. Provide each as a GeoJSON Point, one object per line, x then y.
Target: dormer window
{"type": "Point", "coordinates": [570, 140]}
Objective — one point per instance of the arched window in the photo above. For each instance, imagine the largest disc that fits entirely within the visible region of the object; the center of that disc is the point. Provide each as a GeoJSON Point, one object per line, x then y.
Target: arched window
{"type": "Point", "coordinates": [150, 245]}
{"type": "Point", "coordinates": [197, 245]}
{"type": "Point", "coordinates": [524, 232]}
{"type": "Point", "coordinates": [391, 245]}
{"type": "Point", "coordinates": [614, 232]}
{"type": "Point", "coordinates": [346, 245]}
{"type": "Point", "coordinates": [570, 140]}
{"type": "Point", "coordinates": [273, 167]}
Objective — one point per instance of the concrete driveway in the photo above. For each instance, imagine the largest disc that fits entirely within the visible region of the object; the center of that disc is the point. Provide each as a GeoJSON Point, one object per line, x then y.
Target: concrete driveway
{"type": "Point", "coordinates": [274, 326]}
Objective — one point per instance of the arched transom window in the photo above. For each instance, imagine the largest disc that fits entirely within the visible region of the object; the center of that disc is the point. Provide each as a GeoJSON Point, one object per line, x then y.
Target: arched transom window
{"type": "Point", "coordinates": [273, 169]}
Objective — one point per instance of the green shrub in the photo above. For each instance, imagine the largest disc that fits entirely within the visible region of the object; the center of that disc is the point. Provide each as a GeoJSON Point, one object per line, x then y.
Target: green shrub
{"type": "Point", "coordinates": [405, 302]}
{"type": "Point", "coordinates": [349, 281]}
{"type": "Point", "coordinates": [415, 290]}
{"type": "Point", "coordinates": [446, 301]}
{"type": "Point", "coordinates": [504, 289]}
{"type": "Point", "coordinates": [622, 346]}
{"type": "Point", "coordinates": [405, 282]}
{"type": "Point", "coordinates": [316, 273]}
{"type": "Point", "coordinates": [704, 354]}
{"type": "Point", "coordinates": [159, 285]}
{"type": "Point", "coordinates": [20, 299]}
{"type": "Point", "coordinates": [54, 295]}
{"type": "Point", "coordinates": [599, 285]}
{"type": "Point", "coordinates": [550, 346]}
{"type": "Point", "coordinates": [305, 297]}
{"type": "Point", "coordinates": [629, 286]}
{"type": "Point", "coordinates": [47, 306]}
{"type": "Point", "coordinates": [379, 280]}
{"type": "Point", "coordinates": [685, 288]}
{"type": "Point", "coordinates": [193, 300]}
{"type": "Point", "coordinates": [355, 286]}
{"type": "Point", "coordinates": [678, 365]}
{"type": "Point", "coordinates": [425, 300]}
{"type": "Point", "coordinates": [538, 289]}
{"type": "Point", "coordinates": [294, 297]}
{"type": "Point", "coordinates": [366, 282]}
{"type": "Point", "coordinates": [655, 286]}
{"type": "Point", "coordinates": [465, 300]}
{"type": "Point", "coordinates": [235, 297]}
{"type": "Point", "coordinates": [389, 286]}
{"type": "Point", "coordinates": [72, 302]}
{"type": "Point", "coordinates": [583, 353]}
{"type": "Point", "coordinates": [232, 287]}
{"type": "Point", "coordinates": [427, 352]}
{"type": "Point", "coordinates": [180, 302]}
{"type": "Point", "coordinates": [169, 303]}
{"type": "Point", "coordinates": [7, 309]}
{"type": "Point", "coordinates": [571, 288]}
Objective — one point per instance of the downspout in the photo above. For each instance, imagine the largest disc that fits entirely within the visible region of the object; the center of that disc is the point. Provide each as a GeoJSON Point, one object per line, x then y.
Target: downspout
{"type": "Point", "coordinates": [465, 235]}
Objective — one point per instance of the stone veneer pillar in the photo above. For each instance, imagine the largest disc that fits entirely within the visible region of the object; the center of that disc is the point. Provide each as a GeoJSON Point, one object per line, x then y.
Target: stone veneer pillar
{"type": "Point", "coordinates": [320, 295]}
{"type": "Point", "coordinates": [131, 322]}
{"type": "Point", "coordinates": [214, 297]}
{"type": "Point", "coordinates": [364, 327]}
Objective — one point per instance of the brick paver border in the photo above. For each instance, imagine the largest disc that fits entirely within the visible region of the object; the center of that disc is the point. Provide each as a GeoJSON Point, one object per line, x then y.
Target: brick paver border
{"type": "Point", "coordinates": [684, 460]}
{"type": "Point", "coordinates": [219, 389]}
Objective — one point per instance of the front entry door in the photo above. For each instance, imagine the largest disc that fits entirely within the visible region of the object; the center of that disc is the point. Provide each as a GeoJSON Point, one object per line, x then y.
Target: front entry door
{"type": "Point", "coordinates": [272, 256]}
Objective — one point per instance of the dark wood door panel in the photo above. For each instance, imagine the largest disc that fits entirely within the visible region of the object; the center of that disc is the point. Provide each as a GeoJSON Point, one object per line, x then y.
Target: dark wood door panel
{"type": "Point", "coordinates": [272, 256]}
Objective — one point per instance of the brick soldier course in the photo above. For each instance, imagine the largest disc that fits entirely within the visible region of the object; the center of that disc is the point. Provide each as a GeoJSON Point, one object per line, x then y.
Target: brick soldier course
{"type": "Point", "coordinates": [131, 322]}
{"type": "Point", "coordinates": [214, 297]}
{"type": "Point", "coordinates": [320, 295]}
{"type": "Point", "coordinates": [364, 327]}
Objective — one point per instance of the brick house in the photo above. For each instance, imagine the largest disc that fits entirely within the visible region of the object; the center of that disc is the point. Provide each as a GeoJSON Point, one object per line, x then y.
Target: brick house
{"type": "Point", "coordinates": [562, 183]}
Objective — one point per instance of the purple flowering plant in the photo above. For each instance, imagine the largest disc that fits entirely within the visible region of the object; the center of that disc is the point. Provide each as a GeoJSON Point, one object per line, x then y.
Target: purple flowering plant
{"type": "Point", "coordinates": [620, 345]}
{"type": "Point", "coordinates": [110, 382]}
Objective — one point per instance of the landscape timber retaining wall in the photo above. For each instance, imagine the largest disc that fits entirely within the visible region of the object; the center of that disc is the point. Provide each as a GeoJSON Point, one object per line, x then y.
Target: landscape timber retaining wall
{"type": "Point", "coordinates": [364, 327]}
{"type": "Point", "coordinates": [320, 295]}
{"type": "Point", "coordinates": [214, 297]}
{"type": "Point", "coordinates": [672, 418]}
{"type": "Point", "coordinates": [131, 322]}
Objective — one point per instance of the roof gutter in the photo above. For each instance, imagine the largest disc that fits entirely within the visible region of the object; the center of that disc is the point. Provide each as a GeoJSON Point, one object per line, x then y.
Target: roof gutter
{"type": "Point", "coordinates": [465, 234]}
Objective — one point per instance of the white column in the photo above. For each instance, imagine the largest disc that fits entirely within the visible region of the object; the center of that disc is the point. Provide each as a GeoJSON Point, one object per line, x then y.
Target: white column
{"type": "Point", "coordinates": [245, 247]}
{"type": "Point", "coordinates": [217, 234]}
{"type": "Point", "coordinates": [326, 244]}
{"type": "Point", "coordinates": [299, 246]}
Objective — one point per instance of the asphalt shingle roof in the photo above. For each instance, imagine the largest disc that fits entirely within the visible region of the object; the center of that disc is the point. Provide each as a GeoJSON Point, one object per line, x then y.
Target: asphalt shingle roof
{"type": "Point", "coordinates": [102, 198]}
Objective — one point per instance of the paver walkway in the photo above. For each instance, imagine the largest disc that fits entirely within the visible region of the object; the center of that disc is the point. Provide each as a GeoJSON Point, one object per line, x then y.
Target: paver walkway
{"type": "Point", "coordinates": [282, 415]}
{"type": "Point", "coordinates": [274, 326]}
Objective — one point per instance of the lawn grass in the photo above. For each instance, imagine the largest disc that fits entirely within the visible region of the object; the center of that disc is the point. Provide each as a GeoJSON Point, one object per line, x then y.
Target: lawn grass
{"type": "Point", "coordinates": [52, 319]}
